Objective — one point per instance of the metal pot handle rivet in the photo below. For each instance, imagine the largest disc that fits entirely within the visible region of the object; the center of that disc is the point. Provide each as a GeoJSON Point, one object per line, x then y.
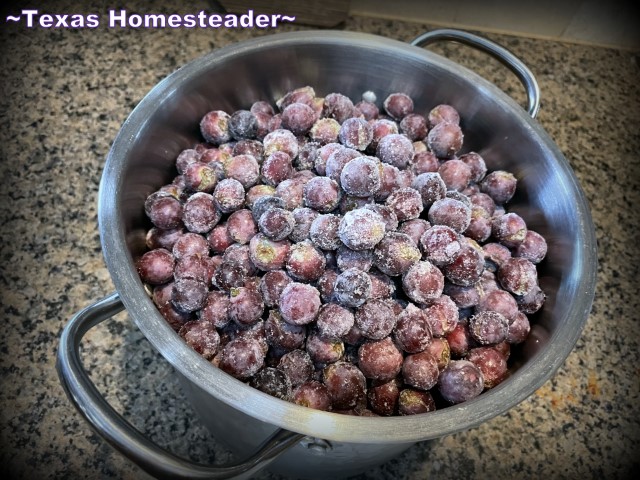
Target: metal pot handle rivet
{"type": "Point", "coordinates": [507, 58]}
{"type": "Point", "coordinates": [121, 434]}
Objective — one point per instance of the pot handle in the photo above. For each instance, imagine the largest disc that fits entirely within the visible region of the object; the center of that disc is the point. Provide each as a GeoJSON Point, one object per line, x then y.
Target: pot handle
{"type": "Point", "coordinates": [507, 58]}
{"type": "Point", "coordinates": [121, 434]}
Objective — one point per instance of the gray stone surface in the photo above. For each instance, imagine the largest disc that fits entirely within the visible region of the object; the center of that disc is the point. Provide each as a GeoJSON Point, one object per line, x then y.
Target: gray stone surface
{"type": "Point", "coordinates": [64, 96]}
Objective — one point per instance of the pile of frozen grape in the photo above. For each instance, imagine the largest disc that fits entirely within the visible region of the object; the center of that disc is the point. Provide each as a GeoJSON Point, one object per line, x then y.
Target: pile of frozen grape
{"type": "Point", "coordinates": [345, 257]}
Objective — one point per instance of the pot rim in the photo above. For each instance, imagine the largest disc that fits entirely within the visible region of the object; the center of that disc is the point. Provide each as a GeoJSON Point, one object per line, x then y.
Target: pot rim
{"type": "Point", "coordinates": [332, 426]}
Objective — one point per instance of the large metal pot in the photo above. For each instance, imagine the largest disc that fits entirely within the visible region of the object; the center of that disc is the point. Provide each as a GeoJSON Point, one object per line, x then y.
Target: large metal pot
{"type": "Point", "coordinates": [301, 442]}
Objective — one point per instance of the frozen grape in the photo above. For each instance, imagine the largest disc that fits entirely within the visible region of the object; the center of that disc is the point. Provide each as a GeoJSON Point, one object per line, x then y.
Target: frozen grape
{"type": "Point", "coordinates": [214, 127]}
{"type": "Point", "coordinates": [450, 212]}
{"type": "Point", "coordinates": [355, 133]}
{"type": "Point", "coordinates": [197, 267]}
{"type": "Point", "coordinates": [361, 229]}
{"type": "Point", "coordinates": [531, 301]}
{"type": "Point", "coordinates": [499, 185]}
{"type": "Point", "coordinates": [242, 124]}
{"type": "Point", "coordinates": [467, 267]}
{"type": "Point", "coordinates": [190, 244]}
{"type": "Point", "coordinates": [164, 210]}
{"type": "Point", "coordinates": [325, 131]}
{"type": "Point", "coordinates": [456, 174]}
{"type": "Point", "coordinates": [414, 228]}
{"type": "Point", "coordinates": [491, 363]}
{"type": "Point", "coordinates": [420, 370]}
{"type": "Point", "coordinates": [297, 365]}
{"type": "Point", "coordinates": [499, 301]}
{"type": "Point", "coordinates": [395, 253]}
{"type": "Point", "coordinates": [290, 191]}
{"type": "Point", "coordinates": [439, 349]}
{"type": "Point", "coordinates": [480, 225]}
{"type": "Point", "coordinates": [423, 282]}
{"type": "Point", "coordinates": [440, 244]}
{"type": "Point", "coordinates": [272, 382]}
{"type": "Point", "coordinates": [375, 319]}
{"type": "Point", "coordinates": [267, 254]}
{"type": "Point", "coordinates": [243, 168]}
{"type": "Point", "coordinates": [241, 226]}
{"type": "Point", "coordinates": [323, 350]}
{"type": "Point", "coordinates": [395, 149]}
{"type": "Point", "coordinates": [533, 247]}
{"type": "Point", "coordinates": [442, 316]}
{"type": "Point", "coordinates": [414, 402]}
{"type": "Point", "coordinates": [424, 162]}
{"type": "Point", "coordinates": [283, 335]}
{"type": "Point", "coordinates": [346, 384]}
{"type": "Point", "coordinates": [321, 194]}
{"type": "Point", "coordinates": [383, 397]}
{"type": "Point", "coordinates": [229, 195]}
{"type": "Point", "coordinates": [189, 294]}
{"type": "Point", "coordinates": [202, 337]}
{"type": "Point", "coordinates": [488, 327]}
{"type": "Point", "coordinates": [298, 118]}
{"type": "Point", "coordinates": [299, 303]}
{"type": "Point", "coordinates": [445, 139]}
{"type": "Point", "coordinates": [443, 113]}
{"type": "Point", "coordinates": [276, 168]}
{"type": "Point", "coordinates": [325, 284]}
{"type": "Point", "coordinates": [276, 223]}
{"type": "Point", "coordinates": [200, 177]}
{"type": "Point", "coordinates": [242, 357]}
{"type": "Point", "coordinates": [352, 287]}
{"type": "Point", "coordinates": [156, 266]}
{"type": "Point", "coordinates": [380, 360]}
{"type": "Point", "coordinates": [228, 275]}
{"type": "Point", "coordinates": [430, 186]}
{"type": "Point", "coordinates": [347, 258]}
{"type": "Point", "coordinates": [369, 110]}
{"type": "Point", "coordinates": [312, 394]}
{"type": "Point", "coordinates": [406, 203]}
{"type": "Point", "coordinates": [305, 262]}
{"type": "Point", "coordinates": [361, 177]}
{"type": "Point", "coordinates": [281, 140]}
{"type": "Point", "coordinates": [337, 106]}
{"type": "Point", "coordinates": [271, 285]}
{"type": "Point", "coordinates": [323, 232]}
{"type": "Point", "coordinates": [398, 105]}
{"type": "Point", "coordinates": [412, 332]}
{"type": "Point", "coordinates": [519, 329]}
{"type": "Point", "coordinates": [160, 238]}
{"type": "Point", "coordinates": [186, 158]}
{"type": "Point", "coordinates": [304, 218]}
{"type": "Point", "coordinates": [460, 381]}
{"type": "Point", "coordinates": [245, 305]}
{"type": "Point", "coordinates": [216, 309]}
{"type": "Point", "coordinates": [509, 229]}
{"type": "Point", "coordinates": [476, 164]}
{"type": "Point", "coordinates": [414, 126]}
{"type": "Point", "coordinates": [495, 254]}
{"type": "Point", "coordinates": [518, 276]}
{"type": "Point", "coordinates": [334, 321]}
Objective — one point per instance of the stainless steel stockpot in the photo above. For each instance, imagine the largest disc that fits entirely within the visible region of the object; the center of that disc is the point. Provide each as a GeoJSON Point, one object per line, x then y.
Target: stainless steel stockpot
{"type": "Point", "coordinates": [294, 440]}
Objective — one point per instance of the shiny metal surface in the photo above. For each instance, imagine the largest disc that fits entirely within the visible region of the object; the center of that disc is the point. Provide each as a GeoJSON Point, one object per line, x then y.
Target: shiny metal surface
{"type": "Point", "coordinates": [497, 51]}
{"type": "Point", "coordinates": [549, 198]}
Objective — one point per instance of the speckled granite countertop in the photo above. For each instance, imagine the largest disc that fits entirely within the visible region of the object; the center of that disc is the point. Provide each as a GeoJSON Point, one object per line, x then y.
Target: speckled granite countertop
{"type": "Point", "coordinates": [65, 94]}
